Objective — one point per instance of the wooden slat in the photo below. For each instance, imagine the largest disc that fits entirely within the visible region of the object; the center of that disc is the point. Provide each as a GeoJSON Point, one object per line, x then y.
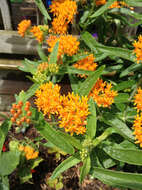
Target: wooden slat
{"type": "Point", "coordinates": [11, 87]}
{"type": "Point", "coordinates": [10, 64]}
{"type": "Point", "coordinates": [12, 43]}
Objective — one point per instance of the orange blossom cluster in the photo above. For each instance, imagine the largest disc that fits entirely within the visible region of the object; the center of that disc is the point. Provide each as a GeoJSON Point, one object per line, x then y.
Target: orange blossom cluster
{"type": "Point", "coordinates": [87, 64]}
{"type": "Point", "coordinates": [68, 44]}
{"type": "Point", "coordinates": [30, 153]}
{"type": "Point", "coordinates": [138, 48]}
{"type": "Point", "coordinates": [138, 119]}
{"type": "Point", "coordinates": [72, 110]}
{"type": "Point", "coordinates": [63, 11]}
{"type": "Point", "coordinates": [23, 26]}
{"type": "Point", "coordinates": [102, 93]}
{"type": "Point", "coordinates": [19, 115]}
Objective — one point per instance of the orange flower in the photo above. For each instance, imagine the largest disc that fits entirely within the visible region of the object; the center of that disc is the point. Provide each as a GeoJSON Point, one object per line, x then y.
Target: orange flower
{"type": "Point", "coordinates": [86, 64]}
{"type": "Point", "coordinates": [59, 26]}
{"type": "Point", "coordinates": [73, 113]}
{"type": "Point", "coordinates": [23, 26]}
{"type": "Point", "coordinates": [48, 98]}
{"type": "Point", "coordinates": [37, 33]}
{"type": "Point", "coordinates": [100, 2]}
{"type": "Point", "coordinates": [138, 48]}
{"type": "Point", "coordinates": [64, 11]}
{"type": "Point", "coordinates": [138, 129]}
{"type": "Point", "coordinates": [115, 5]}
{"type": "Point", "coordinates": [68, 44]}
{"type": "Point", "coordinates": [102, 93]}
{"type": "Point", "coordinates": [138, 100]}
{"type": "Point", "coordinates": [30, 153]}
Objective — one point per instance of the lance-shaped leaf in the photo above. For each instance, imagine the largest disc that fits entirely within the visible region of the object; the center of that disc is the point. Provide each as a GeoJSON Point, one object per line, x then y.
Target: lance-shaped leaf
{"type": "Point", "coordinates": [111, 51]}
{"type": "Point", "coordinates": [131, 68]}
{"type": "Point", "coordinates": [41, 53]}
{"type": "Point", "coordinates": [55, 138]}
{"type": "Point", "coordinates": [119, 179]}
{"type": "Point", "coordinates": [124, 85]}
{"type": "Point", "coordinates": [91, 121]}
{"type": "Point", "coordinates": [85, 168]}
{"type": "Point", "coordinates": [88, 84]}
{"type": "Point", "coordinates": [42, 8]}
{"type": "Point", "coordinates": [121, 98]}
{"type": "Point", "coordinates": [4, 128]}
{"type": "Point", "coordinates": [66, 164]}
{"type": "Point", "coordinates": [129, 156]}
{"type": "Point", "coordinates": [102, 9]}
{"type": "Point", "coordinates": [53, 56]}
{"type": "Point", "coordinates": [118, 125]}
{"type": "Point", "coordinates": [71, 140]}
{"type": "Point", "coordinates": [136, 3]}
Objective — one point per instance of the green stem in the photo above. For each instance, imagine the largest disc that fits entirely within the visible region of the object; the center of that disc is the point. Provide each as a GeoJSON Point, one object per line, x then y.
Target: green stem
{"type": "Point", "coordinates": [102, 137]}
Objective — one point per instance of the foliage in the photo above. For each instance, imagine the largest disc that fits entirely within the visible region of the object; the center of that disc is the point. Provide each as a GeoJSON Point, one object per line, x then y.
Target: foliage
{"type": "Point", "coordinates": [96, 124]}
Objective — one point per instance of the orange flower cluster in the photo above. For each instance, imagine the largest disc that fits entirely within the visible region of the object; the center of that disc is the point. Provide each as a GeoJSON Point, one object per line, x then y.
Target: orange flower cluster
{"type": "Point", "coordinates": [30, 153]}
{"type": "Point", "coordinates": [119, 4]}
{"type": "Point", "coordinates": [37, 33]}
{"type": "Point", "coordinates": [102, 94]}
{"type": "Point", "coordinates": [73, 113]}
{"type": "Point", "coordinates": [138, 48]}
{"type": "Point", "coordinates": [138, 129]}
{"type": "Point", "coordinates": [48, 99]}
{"type": "Point", "coordinates": [23, 26]}
{"type": "Point", "coordinates": [138, 119]}
{"type": "Point", "coordinates": [100, 2]}
{"type": "Point", "coordinates": [138, 100]}
{"type": "Point", "coordinates": [64, 11]}
{"type": "Point", "coordinates": [72, 110]}
{"type": "Point", "coordinates": [68, 44]}
{"type": "Point", "coordinates": [18, 114]}
{"type": "Point", "coordinates": [86, 64]}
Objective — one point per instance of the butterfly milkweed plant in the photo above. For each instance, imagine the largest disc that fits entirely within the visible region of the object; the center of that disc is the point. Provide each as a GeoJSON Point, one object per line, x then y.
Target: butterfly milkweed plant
{"type": "Point", "coordinates": [91, 47]}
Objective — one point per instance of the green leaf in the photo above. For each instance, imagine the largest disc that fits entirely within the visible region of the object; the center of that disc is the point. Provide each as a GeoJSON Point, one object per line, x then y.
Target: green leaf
{"type": "Point", "coordinates": [91, 120]}
{"type": "Point", "coordinates": [41, 53]}
{"type": "Point", "coordinates": [53, 55]}
{"type": "Point", "coordinates": [119, 126]}
{"type": "Point", "coordinates": [24, 96]}
{"type": "Point", "coordinates": [85, 168]}
{"type": "Point", "coordinates": [136, 3]}
{"type": "Point", "coordinates": [56, 139]}
{"type": "Point", "coordinates": [124, 85]}
{"type": "Point", "coordinates": [8, 162]}
{"type": "Point", "coordinates": [84, 16]}
{"type": "Point", "coordinates": [119, 179]}
{"type": "Point", "coordinates": [29, 66]}
{"type": "Point", "coordinates": [4, 183]}
{"type": "Point", "coordinates": [131, 13]}
{"type": "Point", "coordinates": [129, 156]}
{"type": "Point", "coordinates": [36, 162]}
{"type": "Point", "coordinates": [66, 164]}
{"type": "Point", "coordinates": [73, 70]}
{"type": "Point", "coordinates": [4, 128]}
{"type": "Point", "coordinates": [111, 51]}
{"type": "Point", "coordinates": [102, 9]}
{"type": "Point", "coordinates": [131, 68]}
{"type": "Point", "coordinates": [71, 140]}
{"type": "Point", "coordinates": [121, 98]}
{"type": "Point", "coordinates": [87, 85]}
{"type": "Point", "coordinates": [42, 8]}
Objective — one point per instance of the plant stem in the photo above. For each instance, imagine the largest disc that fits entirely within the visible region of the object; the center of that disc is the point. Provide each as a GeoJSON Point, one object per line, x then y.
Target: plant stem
{"type": "Point", "coordinates": [102, 137]}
